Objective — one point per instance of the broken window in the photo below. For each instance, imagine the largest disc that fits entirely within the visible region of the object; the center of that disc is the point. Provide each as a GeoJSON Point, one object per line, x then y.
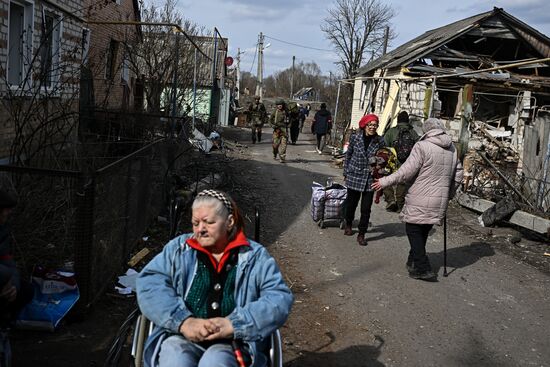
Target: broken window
{"type": "Point", "coordinates": [449, 100]}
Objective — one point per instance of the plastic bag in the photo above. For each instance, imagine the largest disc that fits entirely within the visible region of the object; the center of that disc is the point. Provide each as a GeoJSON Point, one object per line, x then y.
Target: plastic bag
{"type": "Point", "coordinates": [55, 293]}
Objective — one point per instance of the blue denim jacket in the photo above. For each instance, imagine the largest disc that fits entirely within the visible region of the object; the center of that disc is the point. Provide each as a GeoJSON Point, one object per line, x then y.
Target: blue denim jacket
{"type": "Point", "coordinates": [263, 300]}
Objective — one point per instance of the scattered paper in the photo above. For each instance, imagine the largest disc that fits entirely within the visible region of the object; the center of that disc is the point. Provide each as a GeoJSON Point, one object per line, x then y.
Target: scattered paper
{"type": "Point", "coordinates": [128, 281]}
{"type": "Point", "coordinates": [124, 291]}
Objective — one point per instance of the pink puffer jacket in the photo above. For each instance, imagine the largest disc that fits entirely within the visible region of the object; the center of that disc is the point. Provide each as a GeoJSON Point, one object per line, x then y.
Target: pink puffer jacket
{"type": "Point", "coordinates": [434, 173]}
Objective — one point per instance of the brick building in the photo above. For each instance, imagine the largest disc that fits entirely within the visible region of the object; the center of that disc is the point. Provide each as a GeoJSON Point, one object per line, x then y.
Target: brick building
{"type": "Point", "coordinates": [114, 84]}
{"type": "Point", "coordinates": [40, 54]}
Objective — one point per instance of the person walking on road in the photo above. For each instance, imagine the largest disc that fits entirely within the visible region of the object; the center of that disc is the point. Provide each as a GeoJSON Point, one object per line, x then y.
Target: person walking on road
{"type": "Point", "coordinates": [402, 138]}
{"type": "Point", "coordinates": [436, 173]}
{"type": "Point", "coordinates": [321, 126]}
{"type": "Point", "coordinates": [304, 113]}
{"type": "Point", "coordinates": [279, 122]}
{"type": "Point", "coordinates": [294, 121]}
{"type": "Point", "coordinates": [363, 146]}
{"type": "Point", "coordinates": [258, 116]}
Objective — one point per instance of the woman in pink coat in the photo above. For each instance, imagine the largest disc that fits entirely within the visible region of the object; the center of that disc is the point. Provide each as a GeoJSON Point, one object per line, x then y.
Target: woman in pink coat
{"type": "Point", "coordinates": [433, 172]}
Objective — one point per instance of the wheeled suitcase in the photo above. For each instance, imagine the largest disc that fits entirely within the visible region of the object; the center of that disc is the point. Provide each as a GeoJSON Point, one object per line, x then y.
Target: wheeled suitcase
{"type": "Point", "coordinates": [327, 203]}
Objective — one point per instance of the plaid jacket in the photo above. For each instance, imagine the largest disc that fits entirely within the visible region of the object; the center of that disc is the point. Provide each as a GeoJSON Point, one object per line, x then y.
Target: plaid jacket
{"type": "Point", "coordinates": [356, 166]}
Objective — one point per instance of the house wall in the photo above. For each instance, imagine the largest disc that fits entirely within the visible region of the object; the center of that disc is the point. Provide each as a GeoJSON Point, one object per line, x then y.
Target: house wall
{"type": "Point", "coordinates": [110, 93]}
{"type": "Point", "coordinates": [394, 96]}
{"type": "Point", "coordinates": [66, 85]}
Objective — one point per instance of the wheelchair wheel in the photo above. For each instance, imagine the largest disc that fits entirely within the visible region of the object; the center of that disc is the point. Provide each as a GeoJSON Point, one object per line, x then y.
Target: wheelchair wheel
{"type": "Point", "coordinates": [321, 223]}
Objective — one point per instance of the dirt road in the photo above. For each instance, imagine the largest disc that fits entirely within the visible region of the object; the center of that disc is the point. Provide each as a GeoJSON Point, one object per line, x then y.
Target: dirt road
{"type": "Point", "coordinates": [356, 306]}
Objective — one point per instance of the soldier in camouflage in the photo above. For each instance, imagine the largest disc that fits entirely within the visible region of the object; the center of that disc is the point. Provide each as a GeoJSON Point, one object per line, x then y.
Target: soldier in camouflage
{"type": "Point", "coordinates": [257, 116]}
{"type": "Point", "coordinates": [279, 122]}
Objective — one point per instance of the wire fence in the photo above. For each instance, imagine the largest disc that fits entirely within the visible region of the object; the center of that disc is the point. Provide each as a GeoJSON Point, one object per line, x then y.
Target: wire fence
{"type": "Point", "coordinates": [89, 220]}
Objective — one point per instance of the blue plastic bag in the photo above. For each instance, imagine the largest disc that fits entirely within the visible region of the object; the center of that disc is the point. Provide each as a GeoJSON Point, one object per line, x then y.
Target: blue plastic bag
{"type": "Point", "coordinates": [55, 293]}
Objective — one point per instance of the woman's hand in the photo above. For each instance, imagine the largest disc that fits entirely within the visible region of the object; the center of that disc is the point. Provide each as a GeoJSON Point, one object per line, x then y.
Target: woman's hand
{"type": "Point", "coordinates": [198, 330]}
{"type": "Point", "coordinates": [376, 185]}
{"type": "Point", "coordinates": [225, 329]}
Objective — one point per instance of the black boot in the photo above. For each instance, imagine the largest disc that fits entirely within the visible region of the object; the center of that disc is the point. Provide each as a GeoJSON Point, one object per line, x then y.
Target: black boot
{"type": "Point", "coordinates": [361, 239]}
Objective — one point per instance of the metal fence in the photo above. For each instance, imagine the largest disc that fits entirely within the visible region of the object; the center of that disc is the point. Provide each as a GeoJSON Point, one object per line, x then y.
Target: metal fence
{"type": "Point", "coordinates": [89, 221]}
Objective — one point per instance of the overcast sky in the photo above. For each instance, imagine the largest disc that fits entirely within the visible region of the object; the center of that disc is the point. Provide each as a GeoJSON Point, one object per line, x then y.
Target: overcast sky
{"type": "Point", "coordinates": [298, 21]}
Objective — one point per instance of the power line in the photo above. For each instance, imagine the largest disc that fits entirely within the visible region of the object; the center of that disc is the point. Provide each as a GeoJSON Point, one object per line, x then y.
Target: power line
{"type": "Point", "coordinates": [298, 45]}
{"type": "Point", "coordinates": [254, 59]}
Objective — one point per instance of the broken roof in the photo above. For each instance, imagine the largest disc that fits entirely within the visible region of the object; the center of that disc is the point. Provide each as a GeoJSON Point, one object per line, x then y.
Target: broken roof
{"type": "Point", "coordinates": [303, 91]}
{"type": "Point", "coordinates": [494, 23]}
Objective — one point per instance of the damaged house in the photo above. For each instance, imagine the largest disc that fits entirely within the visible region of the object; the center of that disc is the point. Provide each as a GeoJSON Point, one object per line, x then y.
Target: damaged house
{"type": "Point", "coordinates": [488, 78]}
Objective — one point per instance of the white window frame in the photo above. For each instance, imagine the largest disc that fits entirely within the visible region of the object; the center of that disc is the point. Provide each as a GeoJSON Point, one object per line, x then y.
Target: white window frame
{"type": "Point", "coordinates": [55, 72]}
{"type": "Point", "coordinates": [26, 44]}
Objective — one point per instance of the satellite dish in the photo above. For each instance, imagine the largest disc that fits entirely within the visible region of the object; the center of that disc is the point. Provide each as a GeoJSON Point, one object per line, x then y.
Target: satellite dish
{"type": "Point", "coordinates": [228, 61]}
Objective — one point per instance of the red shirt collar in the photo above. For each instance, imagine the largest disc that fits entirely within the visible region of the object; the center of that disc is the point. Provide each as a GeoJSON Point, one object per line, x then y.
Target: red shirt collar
{"type": "Point", "coordinates": [239, 240]}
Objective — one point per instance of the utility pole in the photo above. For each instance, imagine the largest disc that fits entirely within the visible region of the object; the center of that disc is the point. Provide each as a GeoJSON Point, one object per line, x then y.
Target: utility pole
{"type": "Point", "coordinates": [259, 76]}
{"type": "Point", "coordinates": [386, 39]}
{"type": "Point", "coordinates": [238, 74]}
{"type": "Point", "coordinates": [175, 88]}
{"type": "Point", "coordinates": [292, 78]}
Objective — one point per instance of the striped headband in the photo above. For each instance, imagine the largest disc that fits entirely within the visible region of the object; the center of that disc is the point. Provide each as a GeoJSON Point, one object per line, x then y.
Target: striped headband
{"type": "Point", "coordinates": [220, 196]}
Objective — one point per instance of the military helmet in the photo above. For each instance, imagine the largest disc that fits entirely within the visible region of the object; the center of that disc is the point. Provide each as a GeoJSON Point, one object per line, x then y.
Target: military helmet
{"type": "Point", "coordinates": [257, 98]}
{"type": "Point", "coordinates": [280, 101]}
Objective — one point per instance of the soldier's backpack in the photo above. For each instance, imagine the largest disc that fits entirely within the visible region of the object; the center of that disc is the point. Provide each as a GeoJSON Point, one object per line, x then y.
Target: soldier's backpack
{"type": "Point", "coordinates": [403, 144]}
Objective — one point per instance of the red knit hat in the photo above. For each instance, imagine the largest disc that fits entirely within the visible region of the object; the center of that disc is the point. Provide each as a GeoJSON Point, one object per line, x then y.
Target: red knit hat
{"type": "Point", "coordinates": [366, 119]}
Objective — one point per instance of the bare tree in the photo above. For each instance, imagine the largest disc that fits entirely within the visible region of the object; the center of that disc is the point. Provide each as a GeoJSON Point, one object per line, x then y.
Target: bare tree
{"type": "Point", "coordinates": [305, 75]}
{"type": "Point", "coordinates": [357, 28]}
{"type": "Point", "coordinates": [165, 58]}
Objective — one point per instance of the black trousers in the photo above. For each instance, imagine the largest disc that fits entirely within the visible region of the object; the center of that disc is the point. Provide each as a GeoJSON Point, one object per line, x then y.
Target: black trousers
{"type": "Point", "coordinates": [366, 204]}
{"type": "Point", "coordinates": [418, 236]}
{"type": "Point", "coordinates": [294, 131]}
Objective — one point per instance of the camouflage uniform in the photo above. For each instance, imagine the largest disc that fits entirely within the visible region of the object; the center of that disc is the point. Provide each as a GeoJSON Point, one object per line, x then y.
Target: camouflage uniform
{"type": "Point", "coordinates": [279, 122]}
{"type": "Point", "coordinates": [257, 116]}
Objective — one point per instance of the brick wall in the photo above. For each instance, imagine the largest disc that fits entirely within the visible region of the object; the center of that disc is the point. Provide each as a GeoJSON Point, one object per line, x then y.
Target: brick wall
{"type": "Point", "coordinates": [67, 12]}
{"type": "Point", "coordinates": [411, 99]}
{"type": "Point", "coordinates": [109, 93]}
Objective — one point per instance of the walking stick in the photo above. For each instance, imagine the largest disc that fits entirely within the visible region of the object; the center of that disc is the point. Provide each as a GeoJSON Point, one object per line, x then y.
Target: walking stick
{"type": "Point", "coordinates": [445, 247]}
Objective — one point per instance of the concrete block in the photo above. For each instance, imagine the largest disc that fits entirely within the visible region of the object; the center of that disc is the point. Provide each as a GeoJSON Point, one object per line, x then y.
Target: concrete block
{"type": "Point", "coordinates": [455, 125]}
{"type": "Point", "coordinates": [519, 218]}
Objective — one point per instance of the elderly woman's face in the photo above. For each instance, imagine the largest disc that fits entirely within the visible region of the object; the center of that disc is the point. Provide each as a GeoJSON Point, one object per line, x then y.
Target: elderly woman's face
{"type": "Point", "coordinates": [210, 229]}
{"type": "Point", "coordinates": [371, 127]}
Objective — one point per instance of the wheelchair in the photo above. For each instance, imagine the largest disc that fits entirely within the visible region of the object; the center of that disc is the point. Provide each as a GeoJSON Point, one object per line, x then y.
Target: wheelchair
{"type": "Point", "coordinates": [144, 328]}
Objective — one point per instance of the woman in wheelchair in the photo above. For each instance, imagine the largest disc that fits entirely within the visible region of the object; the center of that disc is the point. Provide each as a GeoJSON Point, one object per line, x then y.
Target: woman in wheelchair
{"type": "Point", "coordinates": [209, 288]}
